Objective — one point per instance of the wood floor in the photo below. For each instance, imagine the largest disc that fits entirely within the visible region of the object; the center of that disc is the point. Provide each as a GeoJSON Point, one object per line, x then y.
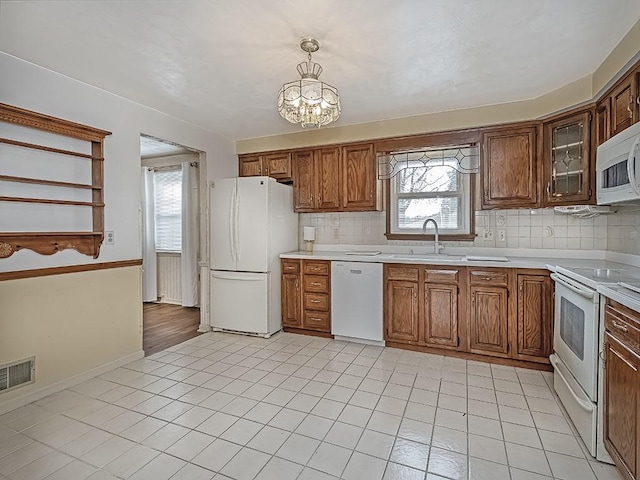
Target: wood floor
{"type": "Point", "coordinates": [165, 325]}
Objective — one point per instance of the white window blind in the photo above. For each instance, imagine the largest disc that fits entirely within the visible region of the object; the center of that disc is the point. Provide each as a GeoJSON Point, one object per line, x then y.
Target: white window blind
{"type": "Point", "coordinates": [168, 210]}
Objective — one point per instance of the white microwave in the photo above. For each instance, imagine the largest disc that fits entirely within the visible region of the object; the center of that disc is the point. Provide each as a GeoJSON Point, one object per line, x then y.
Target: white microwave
{"type": "Point", "coordinates": [618, 168]}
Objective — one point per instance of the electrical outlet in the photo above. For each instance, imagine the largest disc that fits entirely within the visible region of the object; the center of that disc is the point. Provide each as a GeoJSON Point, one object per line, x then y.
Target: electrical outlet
{"type": "Point", "coordinates": [502, 235]}
{"type": "Point", "coordinates": [109, 238]}
{"type": "Point", "coordinates": [487, 234]}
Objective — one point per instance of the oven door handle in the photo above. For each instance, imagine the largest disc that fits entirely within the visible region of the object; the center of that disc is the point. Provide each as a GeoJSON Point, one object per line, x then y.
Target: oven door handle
{"type": "Point", "coordinates": [585, 293]}
{"type": "Point", "coordinates": [586, 406]}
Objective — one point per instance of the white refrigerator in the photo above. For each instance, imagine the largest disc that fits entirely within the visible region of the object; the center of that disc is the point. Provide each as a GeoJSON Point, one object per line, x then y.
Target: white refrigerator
{"type": "Point", "coordinates": [252, 223]}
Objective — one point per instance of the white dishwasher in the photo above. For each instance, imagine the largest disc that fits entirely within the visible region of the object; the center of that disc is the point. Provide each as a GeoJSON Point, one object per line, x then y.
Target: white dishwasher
{"type": "Point", "coordinates": [356, 301]}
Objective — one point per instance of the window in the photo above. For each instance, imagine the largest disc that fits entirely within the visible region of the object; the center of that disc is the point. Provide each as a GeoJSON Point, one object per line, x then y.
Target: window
{"type": "Point", "coordinates": [168, 208]}
{"type": "Point", "coordinates": [439, 191]}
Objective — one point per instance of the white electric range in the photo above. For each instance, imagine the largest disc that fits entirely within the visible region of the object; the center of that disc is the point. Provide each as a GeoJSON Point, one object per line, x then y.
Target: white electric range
{"type": "Point", "coordinates": [578, 341]}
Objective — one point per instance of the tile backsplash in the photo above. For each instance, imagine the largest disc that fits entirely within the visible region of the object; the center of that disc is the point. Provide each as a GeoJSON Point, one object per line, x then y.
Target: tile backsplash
{"type": "Point", "coordinates": [623, 230]}
{"type": "Point", "coordinates": [538, 228]}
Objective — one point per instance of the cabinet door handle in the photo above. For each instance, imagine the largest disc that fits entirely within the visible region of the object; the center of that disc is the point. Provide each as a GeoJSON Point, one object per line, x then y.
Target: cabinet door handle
{"type": "Point", "coordinates": [620, 327]}
{"type": "Point", "coordinates": [549, 188]}
{"type": "Point", "coordinates": [629, 106]}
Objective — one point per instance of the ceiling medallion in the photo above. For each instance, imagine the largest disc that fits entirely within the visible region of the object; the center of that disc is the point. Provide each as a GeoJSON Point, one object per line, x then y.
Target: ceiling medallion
{"type": "Point", "coordinates": [309, 101]}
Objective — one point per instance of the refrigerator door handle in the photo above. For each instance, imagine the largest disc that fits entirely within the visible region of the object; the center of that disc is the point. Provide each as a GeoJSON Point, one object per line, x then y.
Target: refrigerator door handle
{"type": "Point", "coordinates": [231, 227]}
{"type": "Point", "coordinates": [236, 223]}
{"type": "Point", "coordinates": [240, 276]}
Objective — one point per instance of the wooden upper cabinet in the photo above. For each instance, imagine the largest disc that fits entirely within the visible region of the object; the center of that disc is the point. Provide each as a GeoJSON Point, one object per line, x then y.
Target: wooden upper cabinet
{"type": "Point", "coordinates": [602, 130]}
{"type": "Point", "coordinates": [250, 165]}
{"type": "Point", "coordinates": [622, 406]}
{"type": "Point", "coordinates": [488, 321]}
{"type": "Point", "coordinates": [623, 105]}
{"type": "Point", "coordinates": [533, 328]}
{"type": "Point", "coordinates": [304, 178]}
{"type": "Point", "coordinates": [441, 315]}
{"type": "Point", "coordinates": [359, 177]}
{"type": "Point", "coordinates": [278, 166]}
{"type": "Point", "coordinates": [509, 168]}
{"type": "Point", "coordinates": [567, 160]}
{"type": "Point", "coordinates": [327, 178]}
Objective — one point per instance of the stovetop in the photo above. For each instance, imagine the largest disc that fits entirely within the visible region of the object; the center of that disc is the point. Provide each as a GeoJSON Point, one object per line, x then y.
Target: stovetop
{"type": "Point", "coordinates": [593, 277]}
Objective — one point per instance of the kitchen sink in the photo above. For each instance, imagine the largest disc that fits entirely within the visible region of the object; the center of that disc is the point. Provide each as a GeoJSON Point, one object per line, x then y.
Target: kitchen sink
{"type": "Point", "coordinates": [428, 257]}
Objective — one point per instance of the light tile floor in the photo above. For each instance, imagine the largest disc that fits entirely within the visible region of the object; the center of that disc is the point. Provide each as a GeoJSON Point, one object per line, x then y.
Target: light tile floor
{"type": "Point", "coordinates": [296, 407]}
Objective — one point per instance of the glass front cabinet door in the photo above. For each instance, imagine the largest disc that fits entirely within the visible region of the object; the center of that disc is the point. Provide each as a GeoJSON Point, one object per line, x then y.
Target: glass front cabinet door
{"type": "Point", "coordinates": [567, 163]}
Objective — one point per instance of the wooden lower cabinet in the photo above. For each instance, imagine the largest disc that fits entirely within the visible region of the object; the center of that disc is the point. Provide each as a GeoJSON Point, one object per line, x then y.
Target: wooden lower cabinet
{"type": "Point", "coordinates": [401, 305]}
{"type": "Point", "coordinates": [306, 295]}
{"type": "Point", "coordinates": [471, 311]}
{"type": "Point", "coordinates": [291, 312]}
{"type": "Point", "coordinates": [622, 388]}
{"type": "Point", "coordinates": [533, 332]}
{"type": "Point", "coordinates": [441, 315]}
{"type": "Point", "coordinates": [488, 321]}
{"type": "Point", "coordinates": [401, 311]}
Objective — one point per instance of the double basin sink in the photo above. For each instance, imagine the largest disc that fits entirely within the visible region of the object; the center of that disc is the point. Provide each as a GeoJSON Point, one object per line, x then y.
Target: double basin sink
{"type": "Point", "coordinates": [444, 258]}
{"type": "Point", "coordinates": [428, 257]}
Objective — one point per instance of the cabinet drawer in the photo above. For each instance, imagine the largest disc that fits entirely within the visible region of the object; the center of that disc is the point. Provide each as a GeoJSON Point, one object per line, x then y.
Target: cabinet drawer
{"type": "Point", "coordinates": [316, 301]}
{"type": "Point", "coordinates": [316, 283]}
{"type": "Point", "coordinates": [440, 276]}
{"type": "Point", "coordinates": [622, 327]}
{"type": "Point", "coordinates": [488, 277]}
{"type": "Point", "coordinates": [402, 272]}
{"type": "Point", "coordinates": [291, 266]}
{"type": "Point", "coordinates": [317, 321]}
{"type": "Point", "coordinates": [316, 268]}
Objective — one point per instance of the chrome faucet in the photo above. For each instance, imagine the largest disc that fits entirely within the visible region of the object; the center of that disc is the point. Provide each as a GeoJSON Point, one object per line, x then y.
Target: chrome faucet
{"type": "Point", "coordinates": [436, 245]}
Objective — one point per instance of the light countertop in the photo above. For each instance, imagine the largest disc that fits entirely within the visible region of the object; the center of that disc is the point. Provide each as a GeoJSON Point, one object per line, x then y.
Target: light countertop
{"type": "Point", "coordinates": [541, 261]}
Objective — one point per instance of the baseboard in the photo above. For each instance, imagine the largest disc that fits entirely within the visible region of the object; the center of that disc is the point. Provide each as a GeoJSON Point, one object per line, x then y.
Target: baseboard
{"type": "Point", "coordinates": [37, 394]}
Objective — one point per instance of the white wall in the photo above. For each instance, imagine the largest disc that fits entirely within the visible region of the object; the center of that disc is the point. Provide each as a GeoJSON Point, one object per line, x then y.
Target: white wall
{"type": "Point", "coordinates": [28, 86]}
{"type": "Point", "coordinates": [75, 324]}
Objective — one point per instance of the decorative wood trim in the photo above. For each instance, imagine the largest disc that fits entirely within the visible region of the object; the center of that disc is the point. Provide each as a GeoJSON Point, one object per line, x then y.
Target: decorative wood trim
{"type": "Point", "coordinates": [28, 118]}
{"type": "Point", "coordinates": [89, 267]}
{"type": "Point", "coordinates": [471, 356]}
{"type": "Point", "coordinates": [48, 243]}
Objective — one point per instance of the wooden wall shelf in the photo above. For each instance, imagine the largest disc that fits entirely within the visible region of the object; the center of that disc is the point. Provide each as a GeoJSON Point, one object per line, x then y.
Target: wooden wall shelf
{"type": "Point", "coordinates": [48, 243]}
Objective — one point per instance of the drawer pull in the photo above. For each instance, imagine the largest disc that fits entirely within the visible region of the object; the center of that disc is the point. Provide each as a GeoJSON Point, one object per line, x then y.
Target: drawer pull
{"type": "Point", "coordinates": [316, 284]}
{"type": "Point", "coordinates": [620, 327]}
{"type": "Point", "coordinates": [315, 319]}
{"type": "Point", "coordinates": [315, 301]}
{"type": "Point", "coordinates": [486, 278]}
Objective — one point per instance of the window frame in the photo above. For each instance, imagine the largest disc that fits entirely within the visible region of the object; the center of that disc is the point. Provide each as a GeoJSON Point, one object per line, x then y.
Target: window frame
{"type": "Point", "coordinates": [468, 184]}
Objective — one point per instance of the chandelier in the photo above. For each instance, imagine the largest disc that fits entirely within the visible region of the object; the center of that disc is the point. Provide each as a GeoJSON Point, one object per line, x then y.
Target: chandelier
{"type": "Point", "coordinates": [309, 101]}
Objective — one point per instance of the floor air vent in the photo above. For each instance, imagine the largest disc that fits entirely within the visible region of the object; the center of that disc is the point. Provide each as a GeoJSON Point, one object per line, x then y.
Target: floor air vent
{"type": "Point", "coordinates": [15, 374]}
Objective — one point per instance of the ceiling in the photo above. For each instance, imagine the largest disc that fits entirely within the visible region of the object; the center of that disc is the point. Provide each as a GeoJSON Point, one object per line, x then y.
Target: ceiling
{"type": "Point", "coordinates": [220, 63]}
{"type": "Point", "coordinates": [151, 147]}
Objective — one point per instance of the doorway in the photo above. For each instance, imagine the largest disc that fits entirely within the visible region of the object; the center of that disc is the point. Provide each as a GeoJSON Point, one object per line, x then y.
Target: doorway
{"type": "Point", "coordinates": [172, 222]}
